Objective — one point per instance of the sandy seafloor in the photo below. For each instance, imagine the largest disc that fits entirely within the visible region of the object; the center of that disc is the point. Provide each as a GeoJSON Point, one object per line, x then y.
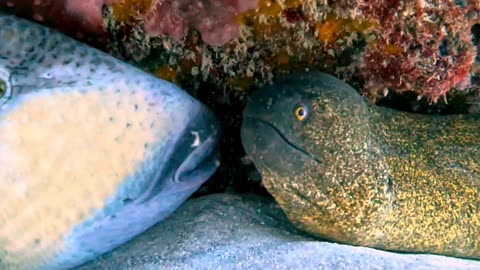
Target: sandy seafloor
{"type": "Point", "coordinates": [226, 231]}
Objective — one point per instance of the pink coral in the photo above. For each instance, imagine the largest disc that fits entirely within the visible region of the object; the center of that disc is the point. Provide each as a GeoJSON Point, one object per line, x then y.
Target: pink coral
{"type": "Point", "coordinates": [422, 46]}
{"type": "Point", "coordinates": [166, 19]}
{"type": "Point", "coordinates": [88, 12]}
{"type": "Point", "coordinates": [80, 17]}
{"type": "Point", "coordinates": [215, 19]}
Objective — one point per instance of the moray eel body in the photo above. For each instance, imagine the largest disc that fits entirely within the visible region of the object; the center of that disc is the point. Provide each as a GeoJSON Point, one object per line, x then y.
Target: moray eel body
{"type": "Point", "coordinates": [353, 173]}
{"type": "Point", "coordinates": [93, 151]}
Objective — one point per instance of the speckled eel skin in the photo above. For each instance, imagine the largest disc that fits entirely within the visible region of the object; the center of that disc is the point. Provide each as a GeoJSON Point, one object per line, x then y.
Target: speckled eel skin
{"type": "Point", "coordinates": [364, 175]}
{"type": "Point", "coordinates": [92, 151]}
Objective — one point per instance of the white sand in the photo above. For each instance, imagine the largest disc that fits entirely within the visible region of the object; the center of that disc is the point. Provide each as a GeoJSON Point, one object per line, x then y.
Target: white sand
{"type": "Point", "coordinates": [224, 231]}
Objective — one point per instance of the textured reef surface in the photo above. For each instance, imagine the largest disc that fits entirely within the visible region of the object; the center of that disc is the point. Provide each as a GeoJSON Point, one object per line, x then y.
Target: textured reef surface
{"type": "Point", "coordinates": [425, 47]}
{"type": "Point", "coordinates": [419, 56]}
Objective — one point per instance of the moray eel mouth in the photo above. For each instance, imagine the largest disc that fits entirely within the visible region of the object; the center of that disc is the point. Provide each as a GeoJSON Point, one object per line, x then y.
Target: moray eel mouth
{"type": "Point", "coordinates": [271, 150]}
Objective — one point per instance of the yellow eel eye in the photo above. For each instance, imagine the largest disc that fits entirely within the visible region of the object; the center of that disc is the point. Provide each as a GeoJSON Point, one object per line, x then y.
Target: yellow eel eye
{"type": "Point", "coordinates": [301, 113]}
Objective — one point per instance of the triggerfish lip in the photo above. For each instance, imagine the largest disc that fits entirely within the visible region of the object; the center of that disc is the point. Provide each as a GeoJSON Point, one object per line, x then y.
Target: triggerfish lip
{"type": "Point", "coordinates": [201, 163]}
{"type": "Point", "coordinates": [204, 157]}
{"type": "Point", "coordinates": [193, 158]}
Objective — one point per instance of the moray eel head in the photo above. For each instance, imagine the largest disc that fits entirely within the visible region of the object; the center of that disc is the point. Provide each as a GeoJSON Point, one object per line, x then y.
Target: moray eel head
{"type": "Point", "coordinates": [308, 135]}
{"type": "Point", "coordinates": [298, 123]}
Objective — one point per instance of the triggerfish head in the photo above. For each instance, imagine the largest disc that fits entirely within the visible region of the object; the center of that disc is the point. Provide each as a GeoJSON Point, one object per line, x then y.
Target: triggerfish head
{"type": "Point", "coordinates": [93, 151]}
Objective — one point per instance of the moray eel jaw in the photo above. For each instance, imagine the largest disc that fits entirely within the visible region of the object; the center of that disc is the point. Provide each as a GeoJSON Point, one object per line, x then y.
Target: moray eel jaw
{"type": "Point", "coordinates": [270, 149]}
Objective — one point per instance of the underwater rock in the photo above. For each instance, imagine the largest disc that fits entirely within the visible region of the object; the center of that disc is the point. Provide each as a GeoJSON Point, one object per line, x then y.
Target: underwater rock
{"type": "Point", "coordinates": [215, 19]}
{"type": "Point", "coordinates": [425, 47]}
{"type": "Point", "coordinates": [79, 19]}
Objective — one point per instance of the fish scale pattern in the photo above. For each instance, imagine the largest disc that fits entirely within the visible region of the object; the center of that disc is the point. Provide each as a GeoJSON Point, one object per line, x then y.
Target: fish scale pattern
{"type": "Point", "coordinates": [86, 146]}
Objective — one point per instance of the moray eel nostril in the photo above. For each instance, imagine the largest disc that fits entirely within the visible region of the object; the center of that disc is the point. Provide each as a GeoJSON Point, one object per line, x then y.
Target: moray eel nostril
{"type": "Point", "coordinates": [93, 151]}
{"type": "Point", "coordinates": [364, 175]}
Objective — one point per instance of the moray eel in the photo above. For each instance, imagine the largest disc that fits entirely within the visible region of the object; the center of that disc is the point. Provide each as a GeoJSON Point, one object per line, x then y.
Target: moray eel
{"type": "Point", "coordinates": [350, 172]}
{"type": "Point", "coordinates": [93, 151]}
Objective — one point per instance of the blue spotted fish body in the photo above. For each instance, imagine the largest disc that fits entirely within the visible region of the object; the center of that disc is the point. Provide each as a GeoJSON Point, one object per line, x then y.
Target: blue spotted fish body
{"type": "Point", "coordinates": [93, 151]}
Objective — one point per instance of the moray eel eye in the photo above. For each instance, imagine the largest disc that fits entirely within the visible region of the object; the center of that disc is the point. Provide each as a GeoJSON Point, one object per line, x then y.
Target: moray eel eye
{"type": "Point", "coordinates": [301, 112]}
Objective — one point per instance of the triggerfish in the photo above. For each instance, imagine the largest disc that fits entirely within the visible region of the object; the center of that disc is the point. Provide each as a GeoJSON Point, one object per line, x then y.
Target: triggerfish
{"type": "Point", "coordinates": [93, 151]}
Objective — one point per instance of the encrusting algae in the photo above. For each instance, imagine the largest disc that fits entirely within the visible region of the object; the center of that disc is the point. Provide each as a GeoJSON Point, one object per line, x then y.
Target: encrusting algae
{"type": "Point", "coordinates": [421, 47]}
{"type": "Point", "coordinates": [399, 46]}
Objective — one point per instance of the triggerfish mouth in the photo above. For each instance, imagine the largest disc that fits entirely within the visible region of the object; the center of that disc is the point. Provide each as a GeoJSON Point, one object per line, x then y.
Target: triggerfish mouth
{"type": "Point", "coordinates": [93, 151]}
